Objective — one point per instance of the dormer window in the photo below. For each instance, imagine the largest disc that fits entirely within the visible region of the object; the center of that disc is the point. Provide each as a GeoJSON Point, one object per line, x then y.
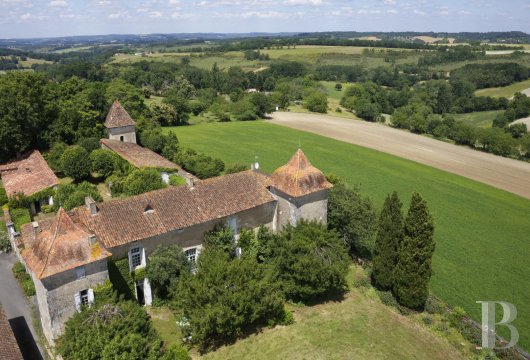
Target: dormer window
{"type": "Point", "coordinates": [149, 209]}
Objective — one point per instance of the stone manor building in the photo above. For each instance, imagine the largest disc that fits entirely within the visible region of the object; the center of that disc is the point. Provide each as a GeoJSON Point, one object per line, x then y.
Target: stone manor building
{"type": "Point", "coordinates": [67, 255]}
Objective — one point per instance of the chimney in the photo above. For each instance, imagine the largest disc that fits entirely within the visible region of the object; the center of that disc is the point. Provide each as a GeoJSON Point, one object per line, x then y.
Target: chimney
{"type": "Point", "coordinates": [92, 239]}
{"type": "Point", "coordinates": [91, 205]}
{"type": "Point", "coordinates": [36, 227]}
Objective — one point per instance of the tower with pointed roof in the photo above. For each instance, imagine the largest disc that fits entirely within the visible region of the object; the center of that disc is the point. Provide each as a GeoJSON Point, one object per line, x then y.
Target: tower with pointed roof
{"type": "Point", "coordinates": [119, 124]}
{"type": "Point", "coordinates": [301, 190]}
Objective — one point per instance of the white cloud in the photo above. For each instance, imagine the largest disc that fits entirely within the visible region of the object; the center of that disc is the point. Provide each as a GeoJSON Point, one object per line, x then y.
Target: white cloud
{"type": "Point", "coordinates": [174, 2]}
{"type": "Point", "coordinates": [58, 3]}
{"type": "Point", "coordinates": [443, 12]}
{"type": "Point", "coordinates": [368, 11]}
{"type": "Point", "coordinates": [418, 12]}
{"type": "Point", "coordinates": [390, 2]}
{"type": "Point", "coordinates": [155, 14]}
{"type": "Point", "coordinates": [177, 15]}
{"type": "Point", "coordinates": [392, 11]}
{"type": "Point", "coordinates": [29, 16]}
{"type": "Point", "coordinates": [118, 15]}
{"type": "Point", "coordinates": [464, 12]}
{"type": "Point", "coordinates": [303, 2]}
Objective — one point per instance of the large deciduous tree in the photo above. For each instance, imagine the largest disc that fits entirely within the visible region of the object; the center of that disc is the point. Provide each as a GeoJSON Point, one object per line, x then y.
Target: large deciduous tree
{"type": "Point", "coordinates": [166, 265]}
{"type": "Point", "coordinates": [414, 267]}
{"type": "Point", "coordinates": [388, 240]}
{"type": "Point", "coordinates": [75, 162]}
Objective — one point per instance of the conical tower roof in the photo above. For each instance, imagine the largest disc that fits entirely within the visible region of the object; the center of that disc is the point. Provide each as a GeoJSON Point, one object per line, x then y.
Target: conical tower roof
{"type": "Point", "coordinates": [298, 177]}
{"type": "Point", "coordinates": [118, 117]}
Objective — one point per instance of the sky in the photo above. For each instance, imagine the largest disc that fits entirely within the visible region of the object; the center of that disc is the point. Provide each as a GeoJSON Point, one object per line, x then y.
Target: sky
{"type": "Point", "coordinates": [50, 18]}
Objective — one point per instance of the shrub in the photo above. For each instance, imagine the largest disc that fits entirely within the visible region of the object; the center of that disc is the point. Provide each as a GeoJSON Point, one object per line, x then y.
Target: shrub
{"type": "Point", "coordinates": [5, 244]}
{"type": "Point", "coordinates": [427, 320]}
{"type": "Point", "coordinates": [70, 196]}
{"type": "Point", "coordinates": [143, 180]}
{"type": "Point", "coordinates": [176, 180]}
{"type": "Point", "coordinates": [3, 196]}
{"type": "Point", "coordinates": [75, 162]}
{"type": "Point", "coordinates": [165, 266]}
{"type": "Point", "coordinates": [387, 298]}
{"type": "Point", "coordinates": [235, 168]}
{"type": "Point", "coordinates": [89, 144]}
{"type": "Point", "coordinates": [311, 261]}
{"type": "Point", "coordinates": [316, 102]}
{"type": "Point", "coordinates": [20, 273]}
{"type": "Point", "coordinates": [20, 217]}
{"type": "Point", "coordinates": [104, 162]}
{"type": "Point", "coordinates": [434, 306]}
{"type": "Point", "coordinates": [53, 157]}
{"type": "Point", "coordinates": [47, 209]}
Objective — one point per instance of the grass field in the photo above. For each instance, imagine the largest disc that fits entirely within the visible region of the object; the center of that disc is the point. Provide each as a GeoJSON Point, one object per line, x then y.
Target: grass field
{"type": "Point", "coordinates": [481, 232]}
{"type": "Point", "coordinates": [359, 327]}
{"type": "Point", "coordinates": [483, 119]}
{"type": "Point", "coordinates": [506, 91]}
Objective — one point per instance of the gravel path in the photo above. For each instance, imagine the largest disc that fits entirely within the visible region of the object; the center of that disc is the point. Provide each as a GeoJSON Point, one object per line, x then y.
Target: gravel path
{"type": "Point", "coordinates": [503, 173]}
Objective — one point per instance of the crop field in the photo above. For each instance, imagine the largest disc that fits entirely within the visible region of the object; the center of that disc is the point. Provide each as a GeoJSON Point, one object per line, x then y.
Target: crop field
{"type": "Point", "coordinates": [524, 60]}
{"type": "Point", "coordinates": [483, 119]}
{"type": "Point", "coordinates": [506, 91]}
{"type": "Point", "coordinates": [481, 232]}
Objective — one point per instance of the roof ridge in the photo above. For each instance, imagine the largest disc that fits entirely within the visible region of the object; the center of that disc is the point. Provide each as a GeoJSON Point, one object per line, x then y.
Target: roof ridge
{"type": "Point", "coordinates": [61, 211]}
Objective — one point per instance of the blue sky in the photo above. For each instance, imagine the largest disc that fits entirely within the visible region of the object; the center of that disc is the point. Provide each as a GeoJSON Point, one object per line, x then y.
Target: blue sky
{"type": "Point", "coordinates": [43, 18]}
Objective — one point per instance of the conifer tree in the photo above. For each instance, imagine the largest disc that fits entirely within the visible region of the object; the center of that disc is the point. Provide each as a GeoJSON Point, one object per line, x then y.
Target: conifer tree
{"type": "Point", "coordinates": [388, 240]}
{"type": "Point", "coordinates": [414, 268]}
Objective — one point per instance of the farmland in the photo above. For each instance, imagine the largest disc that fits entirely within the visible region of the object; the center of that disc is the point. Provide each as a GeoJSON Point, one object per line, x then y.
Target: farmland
{"type": "Point", "coordinates": [506, 91]}
{"type": "Point", "coordinates": [482, 119]}
{"type": "Point", "coordinates": [472, 219]}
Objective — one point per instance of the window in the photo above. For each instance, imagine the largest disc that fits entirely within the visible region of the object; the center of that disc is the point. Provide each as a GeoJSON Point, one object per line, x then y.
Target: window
{"type": "Point", "coordinates": [121, 138]}
{"type": "Point", "coordinates": [80, 272]}
{"type": "Point", "coordinates": [136, 257]}
{"type": "Point", "coordinates": [83, 296]}
{"type": "Point", "coordinates": [191, 254]}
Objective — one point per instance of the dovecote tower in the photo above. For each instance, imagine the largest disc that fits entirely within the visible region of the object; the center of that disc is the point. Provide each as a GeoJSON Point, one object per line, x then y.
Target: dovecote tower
{"type": "Point", "coordinates": [301, 190]}
{"type": "Point", "coordinates": [120, 124]}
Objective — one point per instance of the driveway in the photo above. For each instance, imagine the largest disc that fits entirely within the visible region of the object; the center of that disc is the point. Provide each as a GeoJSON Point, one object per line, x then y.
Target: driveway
{"type": "Point", "coordinates": [17, 309]}
{"type": "Point", "coordinates": [503, 173]}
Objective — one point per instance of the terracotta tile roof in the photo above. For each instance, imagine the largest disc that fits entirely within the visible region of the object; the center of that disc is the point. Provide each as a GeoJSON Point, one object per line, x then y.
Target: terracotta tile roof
{"type": "Point", "coordinates": [137, 155]}
{"type": "Point", "coordinates": [298, 177]}
{"type": "Point", "coordinates": [118, 117]}
{"type": "Point", "coordinates": [9, 349]}
{"type": "Point", "coordinates": [122, 221]}
{"type": "Point", "coordinates": [61, 244]}
{"type": "Point", "coordinates": [27, 175]}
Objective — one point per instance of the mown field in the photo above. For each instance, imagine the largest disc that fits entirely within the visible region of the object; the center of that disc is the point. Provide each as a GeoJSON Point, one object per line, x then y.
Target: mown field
{"type": "Point", "coordinates": [506, 91]}
{"type": "Point", "coordinates": [483, 119]}
{"type": "Point", "coordinates": [481, 232]}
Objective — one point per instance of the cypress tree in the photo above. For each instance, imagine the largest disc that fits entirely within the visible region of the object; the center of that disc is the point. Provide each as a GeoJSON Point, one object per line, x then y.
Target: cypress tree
{"type": "Point", "coordinates": [414, 268]}
{"type": "Point", "coordinates": [388, 240]}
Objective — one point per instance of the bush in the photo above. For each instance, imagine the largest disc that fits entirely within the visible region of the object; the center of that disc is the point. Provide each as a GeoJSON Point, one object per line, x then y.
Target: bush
{"type": "Point", "coordinates": [387, 298]}
{"type": "Point", "coordinates": [20, 273]}
{"type": "Point", "coordinates": [176, 180]}
{"type": "Point", "coordinates": [235, 168]}
{"type": "Point", "coordinates": [311, 261]}
{"type": "Point", "coordinates": [316, 102]}
{"type": "Point", "coordinates": [427, 320]}
{"type": "Point", "coordinates": [227, 297]}
{"type": "Point", "coordinates": [75, 163]}
{"type": "Point", "coordinates": [434, 306]}
{"type": "Point", "coordinates": [53, 157]}
{"type": "Point", "coordinates": [89, 144]}
{"type": "Point", "coordinates": [3, 196]}
{"type": "Point", "coordinates": [200, 165]}
{"type": "Point", "coordinates": [20, 217]}
{"type": "Point", "coordinates": [5, 244]}
{"type": "Point", "coordinates": [143, 180]}
{"type": "Point", "coordinates": [165, 266]}
{"type": "Point", "coordinates": [70, 196]}
{"type": "Point", "coordinates": [104, 162]}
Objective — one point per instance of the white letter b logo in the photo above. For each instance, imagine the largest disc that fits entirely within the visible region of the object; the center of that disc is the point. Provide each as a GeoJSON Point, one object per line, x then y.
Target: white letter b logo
{"type": "Point", "coordinates": [488, 323]}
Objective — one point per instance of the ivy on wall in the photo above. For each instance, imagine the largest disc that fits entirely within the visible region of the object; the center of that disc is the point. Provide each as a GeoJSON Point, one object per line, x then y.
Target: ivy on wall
{"type": "Point", "coordinates": [124, 281]}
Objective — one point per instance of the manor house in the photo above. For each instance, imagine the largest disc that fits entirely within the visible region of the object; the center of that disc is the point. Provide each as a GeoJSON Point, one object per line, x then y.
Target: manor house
{"type": "Point", "coordinates": [67, 255]}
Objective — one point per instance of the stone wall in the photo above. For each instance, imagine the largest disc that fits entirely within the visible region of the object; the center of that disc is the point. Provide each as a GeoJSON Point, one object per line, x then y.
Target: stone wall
{"type": "Point", "coordinates": [192, 236]}
{"type": "Point", "coordinates": [55, 295]}
{"type": "Point", "coordinates": [313, 206]}
{"type": "Point", "coordinates": [128, 133]}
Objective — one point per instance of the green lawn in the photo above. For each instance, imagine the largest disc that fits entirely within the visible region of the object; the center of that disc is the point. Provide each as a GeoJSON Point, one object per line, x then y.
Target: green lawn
{"type": "Point", "coordinates": [506, 91]}
{"type": "Point", "coordinates": [483, 119]}
{"type": "Point", "coordinates": [482, 233]}
{"type": "Point", "coordinates": [359, 327]}
{"type": "Point", "coordinates": [165, 323]}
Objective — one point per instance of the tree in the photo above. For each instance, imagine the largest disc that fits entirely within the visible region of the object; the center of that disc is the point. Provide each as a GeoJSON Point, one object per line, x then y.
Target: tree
{"type": "Point", "coordinates": [316, 102]}
{"type": "Point", "coordinates": [110, 331]}
{"type": "Point", "coordinates": [387, 243]}
{"type": "Point", "coordinates": [70, 196]}
{"type": "Point", "coordinates": [143, 180]}
{"type": "Point", "coordinates": [53, 157]}
{"type": "Point", "coordinates": [414, 267]}
{"type": "Point", "coordinates": [310, 260]}
{"type": "Point", "coordinates": [75, 163]}
{"type": "Point", "coordinates": [104, 162]}
{"type": "Point", "coordinates": [338, 86]}
{"type": "Point", "coordinates": [221, 237]}
{"type": "Point", "coordinates": [226, 297]}
{"type": "Point", "coordinates": [166, 265]}
{"type": "Point", "coordinates": [89, 144]}
{"type": "Point", "coordinates": [353, 217]}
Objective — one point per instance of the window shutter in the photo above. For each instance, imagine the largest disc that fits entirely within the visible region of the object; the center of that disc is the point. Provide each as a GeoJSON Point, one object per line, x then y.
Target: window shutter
{"type": "Point", "coordinates": [143, 256]}
{"type": "Point", "coordinates": [77, 298]}
{"type": "Point", "coordinates": [130, 261]}
{"type": "Point", "coordinates": [90, 297]}
{"type": "Point", "coordinates": [148, 298]}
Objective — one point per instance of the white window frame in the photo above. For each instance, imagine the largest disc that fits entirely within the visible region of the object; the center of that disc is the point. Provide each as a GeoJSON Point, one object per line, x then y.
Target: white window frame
{"type": "Point", "coordinates": [80, 272]}
{"type": "Point", "coordinates": [84, 298]}
{"type": "Point", "coordinates": [190, 255]}
{"type": "Point", "coordinates": [141, 251]}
